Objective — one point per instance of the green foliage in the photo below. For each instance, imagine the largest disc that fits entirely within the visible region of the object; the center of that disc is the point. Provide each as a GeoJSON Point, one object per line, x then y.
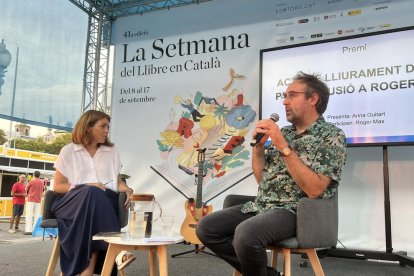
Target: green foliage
{"type": "Point", "coordinates": [59, 143]}
{"type": "Point", "coordinates": [235, 159]}
{"type": "Point", "coordinates": [39, 145]}
{"type": "Point", "coordinates": [221, 110]}
{"type": "Point", "coordinates": [3, 138]}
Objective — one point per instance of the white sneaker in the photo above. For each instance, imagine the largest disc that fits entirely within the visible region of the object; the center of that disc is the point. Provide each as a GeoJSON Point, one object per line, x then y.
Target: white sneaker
{"type": "Point", "coordinates": [12, 231]}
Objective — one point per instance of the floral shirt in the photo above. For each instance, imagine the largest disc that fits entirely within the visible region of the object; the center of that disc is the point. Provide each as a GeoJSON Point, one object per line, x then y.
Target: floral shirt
{"type": "Point", "coordinates": [321, 147]}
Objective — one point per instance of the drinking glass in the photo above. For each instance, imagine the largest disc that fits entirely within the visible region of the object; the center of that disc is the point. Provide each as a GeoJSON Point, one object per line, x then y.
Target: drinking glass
{"type": "Point", "coordinates": [167, 224]}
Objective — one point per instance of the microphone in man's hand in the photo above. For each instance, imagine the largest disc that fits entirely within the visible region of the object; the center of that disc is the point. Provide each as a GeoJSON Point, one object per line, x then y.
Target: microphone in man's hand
{"type": "Point", "coordinates": [259, 136]}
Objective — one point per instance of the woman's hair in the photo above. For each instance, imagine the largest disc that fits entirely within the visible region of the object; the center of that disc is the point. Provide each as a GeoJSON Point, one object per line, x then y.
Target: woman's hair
{"type": "Point", "coordinates": [81, 134]}
{"type": "Point", "coordinates": [315, 85]}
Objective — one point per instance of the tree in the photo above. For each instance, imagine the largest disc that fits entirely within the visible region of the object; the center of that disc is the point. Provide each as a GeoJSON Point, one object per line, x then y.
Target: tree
{"type": "Point", "coordinates": [59, 143]}
{"type": "Point", "coordinates": [219, 112]}
{"type": "Point", "coordinates": [39, 145]}
{"type": "Point", "coordinates": [3, 138]}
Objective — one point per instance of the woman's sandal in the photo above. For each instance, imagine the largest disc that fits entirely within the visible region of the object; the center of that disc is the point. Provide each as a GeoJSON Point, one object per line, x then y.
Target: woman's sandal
{"type": "Point", "coordinates": [123, 259]}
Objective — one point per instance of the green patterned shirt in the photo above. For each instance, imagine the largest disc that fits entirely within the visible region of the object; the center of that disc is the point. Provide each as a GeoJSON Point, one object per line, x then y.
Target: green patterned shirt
{"type": "Point", "coordinates": [321, 147]}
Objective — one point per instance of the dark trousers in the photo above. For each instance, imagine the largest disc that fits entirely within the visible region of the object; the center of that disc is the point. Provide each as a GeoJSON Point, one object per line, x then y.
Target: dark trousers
{"type": "Point", "coordinates": [241, 239]}
{"type": "Point", "coordinates": [82, 213]}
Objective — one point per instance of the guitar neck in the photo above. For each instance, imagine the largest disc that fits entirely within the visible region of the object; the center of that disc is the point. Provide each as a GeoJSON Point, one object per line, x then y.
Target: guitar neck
{"type": "Point", "coordinates": [200, 177]}
{"type": "Point", "coordinates": [199, 198]}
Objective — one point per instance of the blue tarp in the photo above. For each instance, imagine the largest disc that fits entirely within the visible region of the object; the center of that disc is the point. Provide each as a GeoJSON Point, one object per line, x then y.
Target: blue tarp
{"type": "Point", "coordinates": [38, 231]}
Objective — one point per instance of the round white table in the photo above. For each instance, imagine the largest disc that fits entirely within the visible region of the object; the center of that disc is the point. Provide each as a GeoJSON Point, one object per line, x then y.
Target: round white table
{"type": "Point", "coordinates": [156, 246]}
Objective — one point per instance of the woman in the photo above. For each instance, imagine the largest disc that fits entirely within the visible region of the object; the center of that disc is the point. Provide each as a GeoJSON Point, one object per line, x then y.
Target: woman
{"type": "Point", "coordinates": [88, 178]}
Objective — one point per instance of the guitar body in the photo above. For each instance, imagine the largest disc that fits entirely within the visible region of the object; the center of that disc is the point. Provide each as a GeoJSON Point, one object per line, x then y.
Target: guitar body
{"type": "Point", "coordinates": [192, 217]}
{"type": "Point", "coordinates": [194, 211]}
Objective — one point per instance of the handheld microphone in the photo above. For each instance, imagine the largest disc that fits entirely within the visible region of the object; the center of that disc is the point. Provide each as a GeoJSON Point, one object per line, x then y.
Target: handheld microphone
{"type": "Point", "coordinates": [259, 136]}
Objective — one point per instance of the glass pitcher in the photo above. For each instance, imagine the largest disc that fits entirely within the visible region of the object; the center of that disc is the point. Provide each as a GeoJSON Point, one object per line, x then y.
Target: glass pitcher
{"type": "Point", "coordinates": [141, 215]}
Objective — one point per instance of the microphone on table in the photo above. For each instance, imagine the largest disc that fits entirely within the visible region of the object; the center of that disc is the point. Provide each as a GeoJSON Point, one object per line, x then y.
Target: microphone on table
{"type": "Point", "coordinates": [259, 136]}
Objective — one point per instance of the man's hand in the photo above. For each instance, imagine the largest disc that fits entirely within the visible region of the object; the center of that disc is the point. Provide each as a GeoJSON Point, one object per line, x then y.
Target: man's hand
{"type": "Point", "coordinates": [272, 130]}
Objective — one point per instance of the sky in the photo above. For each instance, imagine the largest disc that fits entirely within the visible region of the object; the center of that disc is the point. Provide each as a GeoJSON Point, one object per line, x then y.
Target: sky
{"type": "Point", "coordinates": [50, 37]}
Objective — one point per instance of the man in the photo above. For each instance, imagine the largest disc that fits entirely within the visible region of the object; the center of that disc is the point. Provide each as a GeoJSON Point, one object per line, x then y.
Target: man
{"type": "Point", "coordinates": [34, 192]}
{"type": "Point", "coordinates": [304, 159]}
{"type": "Point", "coordinates": [194, 112]}
{"type": "Point", "coordinates": [18, 193]}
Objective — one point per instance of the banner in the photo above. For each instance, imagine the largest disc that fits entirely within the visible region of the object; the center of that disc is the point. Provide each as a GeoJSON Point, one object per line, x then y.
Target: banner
{"type": "Point", "coordinates": [187, 79]}
{"type": "Point", "coordinates": [181, 85]}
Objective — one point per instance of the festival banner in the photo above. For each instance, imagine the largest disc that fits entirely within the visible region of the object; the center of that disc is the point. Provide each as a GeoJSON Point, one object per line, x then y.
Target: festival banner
{"type": "Point", "coordinates": [187, 79]}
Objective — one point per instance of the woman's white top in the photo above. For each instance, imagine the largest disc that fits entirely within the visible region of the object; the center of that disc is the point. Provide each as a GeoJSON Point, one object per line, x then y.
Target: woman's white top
{"type": "Point", "coordinates": [76, 164]}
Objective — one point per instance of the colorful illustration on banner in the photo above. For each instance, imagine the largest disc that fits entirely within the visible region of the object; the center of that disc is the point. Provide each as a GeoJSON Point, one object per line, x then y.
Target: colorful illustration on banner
{"type": "Point", "coordinates": [218, 123]}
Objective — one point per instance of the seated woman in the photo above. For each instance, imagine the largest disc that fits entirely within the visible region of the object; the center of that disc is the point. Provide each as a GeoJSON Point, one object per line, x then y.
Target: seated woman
{"type": "Point", "coordinates": [88, 180]}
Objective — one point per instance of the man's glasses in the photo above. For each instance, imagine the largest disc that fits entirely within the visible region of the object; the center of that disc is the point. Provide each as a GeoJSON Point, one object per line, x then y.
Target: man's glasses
{"type": "Point", "coordinates": [292, 94]}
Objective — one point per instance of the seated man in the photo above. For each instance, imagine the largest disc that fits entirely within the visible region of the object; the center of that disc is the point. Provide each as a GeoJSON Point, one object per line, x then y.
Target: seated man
{"type": "Point", "coordinates": [304, 159]}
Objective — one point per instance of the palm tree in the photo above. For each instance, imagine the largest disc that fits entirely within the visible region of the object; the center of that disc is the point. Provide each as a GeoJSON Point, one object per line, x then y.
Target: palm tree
{"type": "Point", "coordinates": [219, 112]}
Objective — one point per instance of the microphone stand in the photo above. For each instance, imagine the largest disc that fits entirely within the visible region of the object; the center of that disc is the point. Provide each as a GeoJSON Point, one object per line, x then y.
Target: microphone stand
{"type": "Point", "coordinates": [196, 250]}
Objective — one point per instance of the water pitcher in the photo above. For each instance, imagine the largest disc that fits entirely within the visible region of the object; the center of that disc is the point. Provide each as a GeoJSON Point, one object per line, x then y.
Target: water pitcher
{"type": "Point", "coordinates": [141, 215]}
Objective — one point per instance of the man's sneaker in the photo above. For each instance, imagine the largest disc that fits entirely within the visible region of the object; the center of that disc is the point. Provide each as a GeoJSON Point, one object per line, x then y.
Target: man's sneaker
{"type": "Point", "coordinates": [17, 230]}
{"type": "Point", "coordinates": [27, 233]}
{"type": "Point", "coordinates": [11, 231]}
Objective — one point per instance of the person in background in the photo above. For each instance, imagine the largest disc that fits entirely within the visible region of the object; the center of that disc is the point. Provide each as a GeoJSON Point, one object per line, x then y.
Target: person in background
{"type": "Point", "coordinates": [18, 193]}
{"type": "Point", "coordinates": [88, 180]}
{"type": "Point", "coordinates": [46, 183]}
{"type": "Point", "coordinates": [304, 159]}
{"type": "Point", "coordinates": [34, 192]}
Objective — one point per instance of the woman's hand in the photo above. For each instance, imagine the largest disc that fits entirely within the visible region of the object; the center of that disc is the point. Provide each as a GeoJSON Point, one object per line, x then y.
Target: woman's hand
{"type": "Point", "coordinates": [128, 192]}
{"type": "Point", "coordinates": [123, 187]}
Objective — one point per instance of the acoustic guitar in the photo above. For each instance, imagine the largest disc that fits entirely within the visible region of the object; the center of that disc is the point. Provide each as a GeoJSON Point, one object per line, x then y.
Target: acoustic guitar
{"type": "Point", "coordinates": [194, 211]}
